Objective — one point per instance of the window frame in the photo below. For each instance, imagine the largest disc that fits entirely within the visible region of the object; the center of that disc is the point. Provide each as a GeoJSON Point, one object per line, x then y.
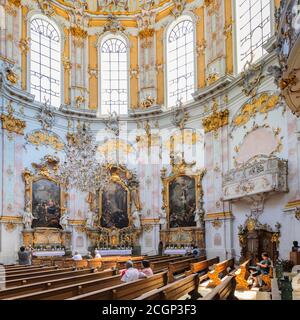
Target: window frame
{"type": "Point", "coordinates": [168, 30]}
{"type": "Point", "coordinates": [106, 36]}
{"type": "Point", "coordinates": [58, 28]}
{"type": "Point", "coordinates": [239, 64]}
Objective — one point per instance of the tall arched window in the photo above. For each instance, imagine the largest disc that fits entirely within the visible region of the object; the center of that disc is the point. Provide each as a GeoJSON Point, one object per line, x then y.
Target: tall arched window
{"type": "Point", "coordinates": [180, 61]}
{"type": "Point", "coordinates": [254, 29]}
{"type": "Point", "coordinates": [114, 75]}
{"type": "Point", "coordinates": [45, 61]}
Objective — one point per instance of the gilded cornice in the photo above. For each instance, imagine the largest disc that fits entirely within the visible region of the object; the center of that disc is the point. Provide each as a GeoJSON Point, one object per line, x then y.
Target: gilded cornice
{"type": "Point", "coordinates": [218, 215]}
{"type": "Point", "coordinates": [11, 219]}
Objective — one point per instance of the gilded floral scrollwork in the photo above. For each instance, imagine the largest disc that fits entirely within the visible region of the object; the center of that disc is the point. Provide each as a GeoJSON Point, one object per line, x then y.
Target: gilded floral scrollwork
{"type": "Point", "coordinates": [12, 124]}
{"type": "Point", "coordinates": [216, 120]}
{"type": "Point", "coordinates": [262, 103]}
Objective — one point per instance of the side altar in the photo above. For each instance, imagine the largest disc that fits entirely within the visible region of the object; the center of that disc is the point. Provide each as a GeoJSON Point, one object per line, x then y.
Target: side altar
{"type": "Point", "coordinates": [114, 217]}
{"type": "Point", "coordinates": [45, 218]}
{"type": "Point", "coordinates": [182, 218]}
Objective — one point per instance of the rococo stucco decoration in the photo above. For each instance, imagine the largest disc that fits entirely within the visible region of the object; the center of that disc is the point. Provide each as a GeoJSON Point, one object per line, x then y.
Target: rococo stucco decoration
{"type": "Point", "coordinates": [216, 120]}
{"type": "Point", "coordinates": [10, 123]}
{"type": "Point", "coordinates": [258, 175]}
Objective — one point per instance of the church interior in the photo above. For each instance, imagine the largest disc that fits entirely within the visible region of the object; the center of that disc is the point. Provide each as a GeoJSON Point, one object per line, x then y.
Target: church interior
{"type": "Point", "coordinates": [156, 135]}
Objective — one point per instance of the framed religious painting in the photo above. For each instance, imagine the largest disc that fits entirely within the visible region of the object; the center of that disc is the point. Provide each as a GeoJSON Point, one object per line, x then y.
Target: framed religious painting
{"type": "Point", "coordinates": [182, 190]}
{"type": "Point", "coordinates": [44, 195]}
{"type": "Point", "coordinates": [182, 202]}
{"type": "Point", "coordinates": [46, 203]}
{"type": "Point", "coordinates": [114, 206]}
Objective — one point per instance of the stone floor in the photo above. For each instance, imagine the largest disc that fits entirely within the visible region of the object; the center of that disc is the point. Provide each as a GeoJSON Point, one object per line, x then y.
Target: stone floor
{"type": "Point", "coordinates": [253, 294]}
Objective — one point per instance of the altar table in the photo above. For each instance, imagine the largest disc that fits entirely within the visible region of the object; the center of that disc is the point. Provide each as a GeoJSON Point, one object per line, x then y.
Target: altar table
{"type": "Point", "coordinates": [115, 252]}
{"type": "Point", "coordinates": [175, 251]}
{"type": "Point", "coordinates": [48, 253]}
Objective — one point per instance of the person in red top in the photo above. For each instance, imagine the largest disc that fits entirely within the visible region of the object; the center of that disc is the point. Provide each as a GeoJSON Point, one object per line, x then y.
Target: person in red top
{"type": "Point", "coordinates": [146, 268]}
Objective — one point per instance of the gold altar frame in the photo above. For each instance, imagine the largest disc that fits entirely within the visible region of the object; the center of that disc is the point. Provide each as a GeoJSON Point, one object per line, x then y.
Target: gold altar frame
{"type": "Point", "coordinates": [179, 170]}
{"type": "Point", "coordinates": [48, 170]}
{"type": "Point", "coordinates": [125, 178]}
{"type": "Point", "coordinates": [118, 180]}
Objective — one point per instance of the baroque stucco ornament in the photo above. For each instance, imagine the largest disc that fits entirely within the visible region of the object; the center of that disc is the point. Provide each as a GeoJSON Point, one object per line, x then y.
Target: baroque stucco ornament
{"type": "Point", "coordinates": [216, 120]}
{"type": "Point", "coordinates": [10, 123]}
{"type": "Point", "coordinates": [252, 77]}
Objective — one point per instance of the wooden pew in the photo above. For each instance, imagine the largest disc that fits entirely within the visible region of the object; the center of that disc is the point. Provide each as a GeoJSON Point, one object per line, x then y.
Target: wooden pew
{"type": "Point", "coordinates": [242, 275]}
{"type": "Point", "coordinates": [223, 291]}
{"type": "Point", "coordinates": [181, 266]}
{"type": "Point", "coordinates": [22, 267]}
{"type": "Point", "coordinates": [54, 283]}
{"type": "Point", "coordinates": [220, 268]}
{"type": "Point", "coordinates": [33, 279]}
{"type": "Point", "coordinates": [72, 290]}
{"type": "Point", "coordinates": [29, 271]}
{"type": "Point", "coordinates": [202, 268]}
{"type": "Point", "coordinates": [174, 291]}
{"type": "Point", "coordinates": [126, 291]}
{"type": "Point", "coordinates": [80, 264]}
{"type": "Point", "coordinates": [164, 264]}
{"type": "Point", "coordinates": [267, 278]}
{"type": "Point", "coordinates": [95, 263]}
{"type": "Point", "coordinates": [35, 274]}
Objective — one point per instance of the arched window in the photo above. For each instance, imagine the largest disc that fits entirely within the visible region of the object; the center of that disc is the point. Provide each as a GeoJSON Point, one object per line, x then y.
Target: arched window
{"type": "Point", "coordinates": [180, 61]}
{"type": "Point", "coordinates": [254, 29]}
{"type": "Point", "coordinates": [2, 18]}
{"type": "Point", "coordinates": [114, 75]}
{"type": "Point", "coordinates": [45, 61]}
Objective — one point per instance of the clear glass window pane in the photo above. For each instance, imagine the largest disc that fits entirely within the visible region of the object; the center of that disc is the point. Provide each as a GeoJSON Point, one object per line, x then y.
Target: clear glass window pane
{"type": "Point", "coordinates": [180, 62]}
{"type": "Point", "coordinates": [254, 24]}
{"type": "Point", "coordinates": [45, 61]}
{"type": "Point", "coordinates": [114, 76]}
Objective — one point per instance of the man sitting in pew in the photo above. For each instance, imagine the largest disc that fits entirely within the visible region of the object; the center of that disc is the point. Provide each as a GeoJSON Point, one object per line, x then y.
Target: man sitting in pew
{"type": "Point", "coordinates": [261, 268]}
{"type": "Point", "coordinates": [24, 256]}
{"type": "Point", "coordinates": [77, 256]}
{"type": "Point", "coordinates": [131, 273]}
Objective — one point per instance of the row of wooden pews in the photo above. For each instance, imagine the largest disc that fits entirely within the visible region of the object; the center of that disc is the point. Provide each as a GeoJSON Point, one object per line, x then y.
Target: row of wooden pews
{"type": "Point", "coordinates": [174, 278]}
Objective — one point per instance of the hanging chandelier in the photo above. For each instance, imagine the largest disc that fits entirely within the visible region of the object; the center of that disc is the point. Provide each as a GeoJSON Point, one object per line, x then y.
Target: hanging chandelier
{"type": "Point", "coordinates": [82, 169]}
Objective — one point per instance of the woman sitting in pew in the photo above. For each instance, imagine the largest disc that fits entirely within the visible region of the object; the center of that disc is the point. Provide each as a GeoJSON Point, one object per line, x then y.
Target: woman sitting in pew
{"type": "Point", "coordinates": [146, 268]}
{"type": "Point", "coordinates": [261, 268]}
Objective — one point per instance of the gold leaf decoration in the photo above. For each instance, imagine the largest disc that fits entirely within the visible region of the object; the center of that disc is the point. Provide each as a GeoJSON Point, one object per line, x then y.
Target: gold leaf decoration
{"type": "Point", "coordinates": [262, 104]}
{"type": "Point", "coordinates": [45, 138]}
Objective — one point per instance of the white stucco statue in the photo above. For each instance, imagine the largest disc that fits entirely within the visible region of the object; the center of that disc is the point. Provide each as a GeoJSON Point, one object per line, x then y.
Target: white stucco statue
{"type": "Point", "coordinates": [198, 213]}
{"type": "Point", "coordinates": [28, 218]}
{"type": "Point", "coordinates": [163, 218]}
{"type": "Point", "coordinates": [64, 221]}
{"type": "Point", "coordinates": [136, 219]}
{"type": "Point", "coordinates": [91, 218]}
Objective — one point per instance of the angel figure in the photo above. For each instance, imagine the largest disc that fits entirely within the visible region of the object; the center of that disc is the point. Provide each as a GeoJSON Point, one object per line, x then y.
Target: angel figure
{"type": "Point", "coordinates": [28, 217]}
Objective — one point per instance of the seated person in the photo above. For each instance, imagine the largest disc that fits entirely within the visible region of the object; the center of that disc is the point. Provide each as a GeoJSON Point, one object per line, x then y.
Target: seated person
{"type": "Point", "coordinates": [295, 247]}
{"type": "Point", "coordinates": [196, 252]}
{"type": "Point", "coordinates": [261, 268]}
{"type": "Point", "coordinates": [77, 256]}
{"type": "Point", "coordinates": [146, 270]}
{"type": "Point", "coordinates": [88, 255]}
{"type": "Point", "coordinates": [131, 273]}
{"type": "Point", "coordinates": [97, 254]}
{"type": "Point", "coordinates": [24, 256]}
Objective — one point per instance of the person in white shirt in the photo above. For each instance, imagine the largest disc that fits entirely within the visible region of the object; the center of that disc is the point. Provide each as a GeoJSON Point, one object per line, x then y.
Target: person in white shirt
{"type": "Point", "coordinates": [97, 255]}
{"type": "Point", "coordinates": [131, 273]}
{"type": "Point", "coordinates": [77, 256]}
